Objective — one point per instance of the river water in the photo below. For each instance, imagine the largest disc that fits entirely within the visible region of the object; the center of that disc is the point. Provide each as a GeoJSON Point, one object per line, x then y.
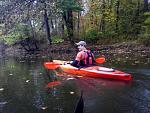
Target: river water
{"type": "Point", "coordinates": [24, 88]}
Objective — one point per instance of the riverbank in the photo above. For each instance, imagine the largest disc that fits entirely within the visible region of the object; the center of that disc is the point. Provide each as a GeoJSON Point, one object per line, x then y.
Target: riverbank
{"type": "Point", "coordinates": [123, 54]}
{"type": "Point", "coordinates": [129, 48]}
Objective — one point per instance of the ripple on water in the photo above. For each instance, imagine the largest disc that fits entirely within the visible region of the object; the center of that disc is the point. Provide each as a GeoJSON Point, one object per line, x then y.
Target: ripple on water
{"type": "Point", "coordinates": [144, 71]}
{"type": "Point", "coordinates": [140, 99]}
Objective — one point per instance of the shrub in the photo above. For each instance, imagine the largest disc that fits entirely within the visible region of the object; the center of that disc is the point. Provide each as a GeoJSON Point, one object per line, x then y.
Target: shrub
{"type": "Point", "coordinates": [145, 39]}
{"type": "Point", "coordinates": [12, 38]}
{"type": "Point", "coordinates": [57, 39]}
{"type": "Point", "coordinates": [91, 35]}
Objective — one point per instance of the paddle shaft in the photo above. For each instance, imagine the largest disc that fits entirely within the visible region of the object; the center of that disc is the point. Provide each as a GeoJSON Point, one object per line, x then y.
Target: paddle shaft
{"type": "Point", "coordinates": [53, 65]}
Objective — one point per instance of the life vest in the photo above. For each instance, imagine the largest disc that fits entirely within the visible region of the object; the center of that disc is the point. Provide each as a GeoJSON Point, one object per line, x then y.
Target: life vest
{"type": "Point", "coordinates": [89, 58]}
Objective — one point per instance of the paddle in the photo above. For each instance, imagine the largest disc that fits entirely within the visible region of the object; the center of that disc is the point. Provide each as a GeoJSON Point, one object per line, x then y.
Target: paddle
{"type": "Point", "coordinates": [100, 60]}
{"type": "Point", "coordinates": [80, 105]}
{"type": "Point", "coordinates": [53, 65]}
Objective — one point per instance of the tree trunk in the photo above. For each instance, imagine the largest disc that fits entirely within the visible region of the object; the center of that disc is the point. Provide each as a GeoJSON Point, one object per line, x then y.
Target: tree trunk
{"type": "Point", "coordinates": [102, 23]}
{"type": "Point", "coordinates": [52, 25]}
{"type": "Point", "coordinates": [56, 27]}
{"type": "Point", "coordinates": [47, 25]}
{"type": "Point", "coordinates": [78, 24]}
{"type": "Point", "coordinates": [32, 43]}
{"type": "Point", "coordinates": [68, 17]}
{"type": "Point", "coordinates": [117, 12]}
{"type": "Point", "coordinates": [62, 28]}
{"type": "Point", "coordinates": [138, 8]}
{"type": "Point", "coordinates": [33, 37]}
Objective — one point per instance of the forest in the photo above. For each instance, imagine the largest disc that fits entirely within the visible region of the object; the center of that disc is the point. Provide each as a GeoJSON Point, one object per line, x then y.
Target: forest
{"type": "Point", "coordinates": [39, 22]}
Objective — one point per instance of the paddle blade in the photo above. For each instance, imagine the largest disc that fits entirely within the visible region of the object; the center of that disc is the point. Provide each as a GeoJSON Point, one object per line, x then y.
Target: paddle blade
{"type": "Point", "coordinates": [54, 83]}
{"type": "Point", "coordinates": [51, 65]}
{"type": "Point", "coordinates": [80, 105]}
{"type": "Point", "coordinates": [100, 60]}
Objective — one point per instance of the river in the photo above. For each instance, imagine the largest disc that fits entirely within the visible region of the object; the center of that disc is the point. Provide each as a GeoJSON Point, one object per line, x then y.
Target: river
{"type": "Point", "coordinates": [24, 89]}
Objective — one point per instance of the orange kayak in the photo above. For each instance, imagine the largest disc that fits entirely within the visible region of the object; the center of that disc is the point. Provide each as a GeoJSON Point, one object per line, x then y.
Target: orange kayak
{"type": "Point", "coordinates": [93, 71]}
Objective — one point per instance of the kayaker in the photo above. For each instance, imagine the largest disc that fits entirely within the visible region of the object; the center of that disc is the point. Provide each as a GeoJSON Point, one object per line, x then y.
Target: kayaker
{"type": "Point", "coordinates": [84, 57]}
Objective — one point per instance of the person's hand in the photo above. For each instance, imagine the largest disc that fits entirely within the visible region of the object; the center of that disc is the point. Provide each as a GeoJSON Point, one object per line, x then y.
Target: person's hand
{"type": "Point", "coordinates": [71, 62]}
{"type": "Point", "coordinates": [67, 62]}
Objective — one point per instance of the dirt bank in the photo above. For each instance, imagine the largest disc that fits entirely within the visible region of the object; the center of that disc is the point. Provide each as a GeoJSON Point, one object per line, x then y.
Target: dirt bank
{"type": "Point", "coordinates": [65, 48]}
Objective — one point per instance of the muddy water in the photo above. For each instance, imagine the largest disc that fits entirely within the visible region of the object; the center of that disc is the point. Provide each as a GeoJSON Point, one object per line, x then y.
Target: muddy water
{"type": "Point", "coordinates": [25, 87]}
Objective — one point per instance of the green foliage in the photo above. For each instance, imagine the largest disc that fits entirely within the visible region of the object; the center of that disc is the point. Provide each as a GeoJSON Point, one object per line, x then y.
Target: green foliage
{"type": "Point", "coordinates": [56, 39]}
{"type": "Point", "coordinates": [19, 32]}
{"type": "Point", "coordinates": [65, 34]}
{"type": "Point", "coordinates": [109, 16]}
{"type": "Point", "coordinates": [65, 5]}
{"type": "Point", "coordinates": [12, 38]}
{"type": "Point", "coordinates": [147, 22]}
{"type": "Point", "coordinates": [91, 34]}
{"type": "Point", "coordinates": [102, 20]}
{"type": "Point", "coordinates": [144, 39]}
{"type": "Point", "coordinates": [109, 34]}
{"type": "Point", "coordinates": [145, 33]}
{"type": "Point", "coordinates": [147, 13]}
{"type": "Point", "coordinates": [23, 29]}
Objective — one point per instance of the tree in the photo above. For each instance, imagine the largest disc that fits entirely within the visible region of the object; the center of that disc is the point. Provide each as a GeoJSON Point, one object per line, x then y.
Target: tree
{"type": "Point", "coordinates": [67, 7]}
{"type": "Point", "coordinates": [46, 21]}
